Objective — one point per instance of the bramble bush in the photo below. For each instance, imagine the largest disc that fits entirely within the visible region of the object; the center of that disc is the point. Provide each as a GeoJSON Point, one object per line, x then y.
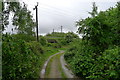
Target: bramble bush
{"type": "Point", "coordinates": [20, 59]}
{"type": "Point", "coordinates": [25, 37]}
{"type": "Point", "coordinates": [97, 56]}
{"type": "Point", "coordinates": [104, 67]}
{"type": "Point", "coordinates": [43, 40]}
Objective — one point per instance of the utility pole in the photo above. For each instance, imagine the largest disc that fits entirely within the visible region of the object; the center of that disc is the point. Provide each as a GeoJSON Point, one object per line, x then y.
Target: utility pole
{"type": "Point", "coordinates": [36, 20]}
{"type": "Point", "coordinates": [53, 30]}
{"type": "Point", "coordinates": [61, 28]}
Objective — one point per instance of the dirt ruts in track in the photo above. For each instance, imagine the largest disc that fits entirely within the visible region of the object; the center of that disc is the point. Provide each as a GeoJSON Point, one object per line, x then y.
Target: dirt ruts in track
{"type": "Point", "coordinates": [55, 67]}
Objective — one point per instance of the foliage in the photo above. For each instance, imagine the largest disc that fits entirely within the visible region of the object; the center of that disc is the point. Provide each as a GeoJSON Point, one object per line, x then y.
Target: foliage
{"type": "Point", "coordinates": [85, 64]}
{"type": "Point", "coordinates": [22, 18]}
{"type": "Point", "coordinates": [56, 34]}
{"type": "Point", "coordinates": [94, 10]}
{"type": "Point", "coordinates": [97, 57]}
{"type": "Point", "coordinates": [63, 38]}
{"type": "Point", "coordinates": [4, 17]}
{"type": "Point", "coordinates": [43, 40]}
{"type": "Point", "coordinates": [100, 31]}
{"type": "Point", "coordinates": [20, 59]}
{"type": "Point", "coordinates": [25, 37]}
{"type": "Point", "coordinates": [54, 45]}
{"type": "Point", "coordinates": [70, 36]}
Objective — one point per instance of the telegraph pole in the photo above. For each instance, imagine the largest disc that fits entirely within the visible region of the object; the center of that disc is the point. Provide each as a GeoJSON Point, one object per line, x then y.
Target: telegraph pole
{"type": "Point", "coordinates": [53, 30]}
{"type": "Point", "coordinates": [61, 28]}
{"type": "Point", "coordinates": [36, 20]}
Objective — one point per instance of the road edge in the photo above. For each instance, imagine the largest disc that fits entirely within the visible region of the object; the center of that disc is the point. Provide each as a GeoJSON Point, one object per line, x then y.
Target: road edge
{"type": "Point", "coordinates": [42, 72]}
{"type": "Point", "coordinates": [67, 71]}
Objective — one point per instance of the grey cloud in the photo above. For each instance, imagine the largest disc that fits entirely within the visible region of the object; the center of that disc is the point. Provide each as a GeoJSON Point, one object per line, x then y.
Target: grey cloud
{"type": "Point", "coordinates": [54, 13]}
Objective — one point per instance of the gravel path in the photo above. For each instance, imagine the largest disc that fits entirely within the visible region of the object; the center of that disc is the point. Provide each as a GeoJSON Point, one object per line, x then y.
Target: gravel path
{"type": "Point", "coordinates": [53, 69]}
{"type": "Point", "coordinates": [67, 71]}
{"type": "Point", "coordinates": [57, 67]}
{"type": "Point", "coordinates": [42, 73]}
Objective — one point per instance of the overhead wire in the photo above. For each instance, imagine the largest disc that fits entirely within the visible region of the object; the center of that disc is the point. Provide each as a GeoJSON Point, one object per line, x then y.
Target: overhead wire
{"type": "Point", "coordinates": [65, 11]}
{"type": "Point", "coordinates": [57, 12]}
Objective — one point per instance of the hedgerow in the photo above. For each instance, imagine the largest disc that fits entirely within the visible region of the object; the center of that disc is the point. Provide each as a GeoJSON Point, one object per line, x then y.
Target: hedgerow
{"type": "Point", "coordinates": [20, 59]}
{"type": "Point", "coordinates": [97, 57]}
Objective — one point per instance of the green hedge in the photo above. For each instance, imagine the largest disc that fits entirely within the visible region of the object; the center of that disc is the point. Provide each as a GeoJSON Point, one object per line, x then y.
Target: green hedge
{"type": "Point", "coordinates": [105, 67]}
{"type": "Point", "coordinates": [20, 59]}
{"type": "Point", "coordinates": [97, 57]}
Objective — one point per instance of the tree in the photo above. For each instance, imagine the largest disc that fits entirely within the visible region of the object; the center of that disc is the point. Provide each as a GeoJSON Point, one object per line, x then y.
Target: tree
{"type": "Point", "coordinates": [70, 36]}
{"type": "Point", "coordinates": [4, 17]}
{"type": "Point", "coordinates": [100, 31]}
{"type": "Point", "coordinates": [22, 19]}
{"type": "Point", "coordinates": [94, 10]}
{"type": "Point", "coordinates": [118, 24]}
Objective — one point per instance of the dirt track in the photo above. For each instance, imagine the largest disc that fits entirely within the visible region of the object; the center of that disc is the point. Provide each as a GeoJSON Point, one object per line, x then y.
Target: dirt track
{"type": "Point", "coordinates": [55, 67]}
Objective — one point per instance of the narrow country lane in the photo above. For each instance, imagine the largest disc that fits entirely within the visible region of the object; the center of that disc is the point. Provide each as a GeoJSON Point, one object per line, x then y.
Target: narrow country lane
{"type": "Point", "coordinates": [55, 67]}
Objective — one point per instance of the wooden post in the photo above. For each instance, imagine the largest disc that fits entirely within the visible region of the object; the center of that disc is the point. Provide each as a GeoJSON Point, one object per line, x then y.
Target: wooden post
{"type": "Point", "coordinates": [37, 21]}
{"type": "Point", "coordinates": [61, 28]}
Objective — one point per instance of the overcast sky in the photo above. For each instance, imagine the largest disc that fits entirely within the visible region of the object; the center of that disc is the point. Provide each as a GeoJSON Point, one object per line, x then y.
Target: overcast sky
{"type": "Point", "coordinates": [54, 13]}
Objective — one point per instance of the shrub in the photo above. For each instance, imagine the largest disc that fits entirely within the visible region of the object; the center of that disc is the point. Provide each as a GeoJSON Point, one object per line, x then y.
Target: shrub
{"type": "Point", "coordinates": [43, 40]}
{"type": "Point", "coordinates": [20, 60]}
{"type": "Point", "coordinates": [24, 37]}
{"type": "Point", "coordinates": [104, 67]}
